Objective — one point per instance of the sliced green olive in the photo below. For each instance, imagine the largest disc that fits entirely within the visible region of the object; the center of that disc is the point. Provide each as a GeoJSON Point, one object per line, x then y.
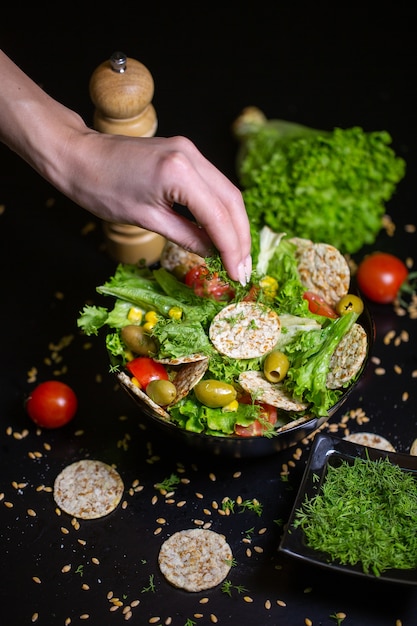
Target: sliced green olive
{"type": "Point", "coordinates": [276, 366]}
{"type": "Point", "coordinates": [349, 303]}
{"type": "Point", "coordinates": [214, 393]}
{"type": "Point", "coordinates": [162, 392]}
{"type": "Point", "coordinates": [137, 340]}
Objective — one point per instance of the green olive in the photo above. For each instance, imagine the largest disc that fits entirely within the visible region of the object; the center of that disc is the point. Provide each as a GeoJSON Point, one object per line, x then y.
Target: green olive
{"type": "Point", "coordinates": [162, 392]}
{"type": "Point", "coordinates": [349, 303]}
{"type": "Point", "coordinates": [276, 366]}
{"type": "Point", "coordinates": [137, 340]}
{"type": "Point", "coordinates": [214, 393]}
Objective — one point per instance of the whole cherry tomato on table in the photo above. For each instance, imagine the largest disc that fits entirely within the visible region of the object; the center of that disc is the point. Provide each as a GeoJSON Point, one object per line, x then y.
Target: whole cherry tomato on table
{"type": "Point", "coordinates": [380, 276]}
{"type": "Point", "coordinates": [52, 404]}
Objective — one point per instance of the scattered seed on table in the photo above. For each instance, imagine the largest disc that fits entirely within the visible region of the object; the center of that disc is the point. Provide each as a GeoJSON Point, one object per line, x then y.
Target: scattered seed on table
{"type": "Point", "coordinates": [68, 621]}
{"type": "Point", "coordinates": [404, 396]}
{"type": "Point", "coordinates": [213, 618]}
{"type": "Point", "coordinates": [239, 500]}
{"type": "Point", "coordinates": [157, 531]}
{"type": "Point", "coordinates": [308, 622]}
{"type": "Point", "coordinates": [198, 522]}
{"type": "Point", "coordinates": [204, 600]}
{"type": "Point", "coordinates": [198, 615]}
{"type": "Point", "coordinates": [379, 371]}
{"type": "Point", "coordinates": [8, 504]}
{"type": "Point", "coordinates": [181, 503]}
{"type": "Point", "coordinates": [247, 599]}
{"type": "Point", "coordinates": [214, 505]}
{"type": "Point", "coordinates": [281, 603]}
{"type": "Point", "coordinates": [168, 621]}
{"type": "Point", "coordinates": [35, 617]}
{"type": "Point", "coordinates": [66, 569]}
{"type": "Point", "coordinates": [36, 580]}
{"type": "Point", "coordinates": [134, 603]}
{"type": "Point", "coordinates": [267, 604]}
{"type": "Point", "coordinates": [258, 549]}
{"type": "Point", "coordinates": [248, 552]}
{"type": "Point", "coordinates": [154, 499]}
{"type": "Point", "coordinates": [95, 561]}
{"type": "Point", "coordinates": [154, 620]}
{"type": "Point", "coordinates": [199, 495]}
{"type": "Point", "coordinates": [237, 474]}
{"type": "Point", "coordinates": [212, 477]}
{"type": "Point", "coordinates": [85, 616]}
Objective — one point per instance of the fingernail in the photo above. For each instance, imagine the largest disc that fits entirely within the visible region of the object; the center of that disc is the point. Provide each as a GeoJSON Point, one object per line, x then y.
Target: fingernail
{"type": "Point", "coordinates": [245, 271]}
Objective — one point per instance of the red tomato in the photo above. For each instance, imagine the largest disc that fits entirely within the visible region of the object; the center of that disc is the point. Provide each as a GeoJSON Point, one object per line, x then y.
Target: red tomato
{"type": "Point", "coordinates": [318, 305]}
{"type": "Point", "coordinates": [256, 429]}
{"type": "Point", "coordinates": [380, 276]}
{"type": "Point", "coordinates": [145, 369]}
{"type": "Point", "coordinates": [52, 404]}
{"type": "Point", "coordinates": [207, 285]}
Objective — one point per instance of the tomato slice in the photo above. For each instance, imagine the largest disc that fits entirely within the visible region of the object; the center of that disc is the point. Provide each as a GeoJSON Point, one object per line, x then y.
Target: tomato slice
{"type": "Point", "coordinates": [208, 285]}
{"type": "Point", "coordinates": [145, 369]}
{"type": "Point", "coordinates": [318, 305]}
{"type": "Point", "coordinates": [257, 428]}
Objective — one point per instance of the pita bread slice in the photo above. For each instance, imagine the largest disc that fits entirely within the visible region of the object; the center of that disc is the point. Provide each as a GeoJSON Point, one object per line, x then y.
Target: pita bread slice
{"type": "Point", "coordinates": [371, 440]}
{"type": "Point", "coordinates": [274, 394]}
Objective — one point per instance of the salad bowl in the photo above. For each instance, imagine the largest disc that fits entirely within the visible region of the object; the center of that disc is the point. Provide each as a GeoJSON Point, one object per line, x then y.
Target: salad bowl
{"type": "Point", "coordinates": [233, 370]}
{"type": "Point", "coordinates": [253, 446]}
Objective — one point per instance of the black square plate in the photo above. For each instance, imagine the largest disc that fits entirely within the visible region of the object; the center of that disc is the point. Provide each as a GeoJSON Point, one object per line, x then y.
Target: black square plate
{"type": "Point", "coordinates": [324, 451]}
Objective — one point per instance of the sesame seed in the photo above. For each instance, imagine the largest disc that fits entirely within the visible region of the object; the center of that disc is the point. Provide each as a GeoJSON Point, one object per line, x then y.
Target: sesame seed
{"type": "Point", "coordinates": [267, 604]}
{"type": "Point", "coordinates": [95, 561]}
{"type": "Point", "coordinates": [157, 531]}
{"type": "Point", "coordinates": [199, 495]}
{"type": "Point", "coordinates": [154, 499]}
{"type": "Point", "coordinates": [281, 603]}
{"type": "Point", "coordinates": [247, 599]}
{"type": "Point", "coordinates": [397, 369]}
{"type": "Point", "coordinates": [212, 477]}
{"type": "Point", "coordinates": [204, 600]}
{"type": "Point", "coordinates": [181, 503]}
{"type": "Point", "coordinates": [31, 513]}
{"type": "Point", "coordinates": [168, 621]}
{"type": "Point", "coordinates": [404, 396]}
{"type": "Point", "coordinates": [258, 549]}
{"type": "Point", "coordinates": [214, 505]}
{"type": "Point", "coordinates": [248, 552]}
{"type": "Point", "coordinates": [66, 569]}
{"type": "Point", "coordinates": [85, 616]}
{"type": "Point", "coordinates": [198, 615]}
{"type": "Point", "coordinates": [134, 603]}
{"type": "Point", "coordinates": [308, 622]}
{"type": "Point", "coordinates": [198, 522]}
{"type": "Point", "coordinates": [154, 620]}
{"type": "Point", "coordinates": [36, 579]}
{"type": "Point", "coordinates": [9, 505]}
{"type": "Point", "coordinates": [68, 621]}
{"type": "Point", "coordinates": [379, 371]}
{"type": "Point", "coordinates": [128, 615]}
{"type": "Point", "coordinates": [239, 500]}
{"type": "Point", "coordinates": [35, 617]}
{"type": "Point", "coordinates": [115, 607]}
{"type": "Point", "coordinates": [124, 504]}
{"type": "Point", "coordinates": [237, 474]}
{"type": "Point", "coordinates": [64, 530]}
{"type": "Point", "coordinates": [85, 587]}
{"type": "Point", "coordinates": [213, 618]}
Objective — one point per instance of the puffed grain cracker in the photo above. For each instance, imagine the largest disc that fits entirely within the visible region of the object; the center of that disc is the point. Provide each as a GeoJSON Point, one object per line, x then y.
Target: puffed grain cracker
{"type": "Point", "coordinates": [245, 330]}
{"type": "Point", "coordinates": [262, 390]}
{"type": "Point", "coordinates": [195, 559]}
{"type": "Point", "coordinates": [371, 440]}
{"type": "Point", "coordinates": [348, 357]}
{"type": "Point", "coordinates": [88, 489]}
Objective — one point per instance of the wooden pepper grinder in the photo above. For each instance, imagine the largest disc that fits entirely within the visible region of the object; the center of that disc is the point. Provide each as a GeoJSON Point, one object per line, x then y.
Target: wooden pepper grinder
{"type": "Point", "coordinates": [122, 89]}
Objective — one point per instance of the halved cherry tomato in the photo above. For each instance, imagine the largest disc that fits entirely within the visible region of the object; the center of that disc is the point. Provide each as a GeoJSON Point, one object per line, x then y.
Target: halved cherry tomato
{"type": "Point", "coordinates": [318, 305]}
{"type": "Point", "coordinates": [257, 428]}
{"type": "Point", "coordinates": [145, 369]}
{"type": "Point", "coordinates": [380, 276]}
{"type": "Point", "coordinates": [208, 285]}
{"type": "Point", "coordinates": [52, 404]}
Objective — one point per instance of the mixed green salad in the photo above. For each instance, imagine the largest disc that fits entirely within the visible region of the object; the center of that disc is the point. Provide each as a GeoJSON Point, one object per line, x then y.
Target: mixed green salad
{"type": "Point", "coordinates": [175, 318]}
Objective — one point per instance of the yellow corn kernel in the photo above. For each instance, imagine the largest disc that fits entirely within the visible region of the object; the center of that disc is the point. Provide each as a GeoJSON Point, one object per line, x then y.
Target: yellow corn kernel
{"type": "Point", "coordinates": [135, 314]}
{"type": "Point", "coordinates": [269, 285]}
{"type": "Point", "coordinates": [175, 313]}
{"type": "Point", "coordinates": [151, 318]}
{"type": "Point", "coordinates": [232, 406]}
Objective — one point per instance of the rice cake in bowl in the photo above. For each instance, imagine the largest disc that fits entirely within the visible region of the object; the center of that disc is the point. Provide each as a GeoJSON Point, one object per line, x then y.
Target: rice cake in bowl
{"type": "Point", "coordinates": [88, 489]}
{"type": "Point", "coordinates": [195, 559]}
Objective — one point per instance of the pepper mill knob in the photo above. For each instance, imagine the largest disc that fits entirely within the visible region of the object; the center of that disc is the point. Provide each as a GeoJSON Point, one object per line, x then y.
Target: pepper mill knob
{"type": "Point", "coordinates": [121, 90]}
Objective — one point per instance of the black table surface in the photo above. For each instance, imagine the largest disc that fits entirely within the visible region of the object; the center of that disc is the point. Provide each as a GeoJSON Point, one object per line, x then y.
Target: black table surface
{"type": "Point", "coordinates": [321, 67]}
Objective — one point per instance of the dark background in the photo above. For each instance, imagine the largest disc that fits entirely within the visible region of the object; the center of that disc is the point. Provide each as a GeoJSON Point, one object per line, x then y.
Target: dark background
{"type": "Point", "coordinates": [320, 64]}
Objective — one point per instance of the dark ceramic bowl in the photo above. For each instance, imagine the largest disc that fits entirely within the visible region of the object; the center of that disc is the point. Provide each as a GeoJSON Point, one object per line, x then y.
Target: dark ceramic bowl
{"type": "Point", "coordinates": [245, 447]}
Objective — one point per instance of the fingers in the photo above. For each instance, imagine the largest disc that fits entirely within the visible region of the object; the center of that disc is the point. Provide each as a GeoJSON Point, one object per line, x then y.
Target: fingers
{"type": "Point", "coordinates": [217, 206]}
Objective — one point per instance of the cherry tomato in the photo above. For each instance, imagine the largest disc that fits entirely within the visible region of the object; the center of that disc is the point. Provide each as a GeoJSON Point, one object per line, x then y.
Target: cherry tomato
{"type": "Point", "coordinates": [52, 404]}
{"type": "Point", "coordinates": [208, 285]}
{"type": "Point", "coordinates": [380, 276]}
{"type": "Point", "coordinates": [145, 369]}
{"type": "Point", "coordinates": [318, 305]}
{"type": "Point", "coordinates": [257, 428]}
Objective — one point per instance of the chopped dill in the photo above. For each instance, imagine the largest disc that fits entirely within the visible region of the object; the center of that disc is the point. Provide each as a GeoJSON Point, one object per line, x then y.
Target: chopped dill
{"type": "Point", "coordinates": [169, 483]}
{"type": "Point", "coordinates": [365, 513]}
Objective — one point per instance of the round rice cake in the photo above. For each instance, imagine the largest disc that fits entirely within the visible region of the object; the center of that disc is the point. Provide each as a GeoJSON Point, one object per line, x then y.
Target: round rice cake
{"type": "Point", "coordinates": [262, 390]}
{"type": "Point", "coordinates": [195, 559]}
{"type": "Point", "coordinates": [348, 357]}
{"type": "Point", "coordinates": [323, 270]}
{"type": "Point", "coordinates": [245, 330]}
{"type": "Point", "coordinates": [371, 440]}
{"type": "Point", "coordinates": [88, 489]}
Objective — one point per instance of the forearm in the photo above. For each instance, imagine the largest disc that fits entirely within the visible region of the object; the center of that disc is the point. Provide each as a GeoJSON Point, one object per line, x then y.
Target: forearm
{"type": "Point", "coordinates": [35, 126]}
